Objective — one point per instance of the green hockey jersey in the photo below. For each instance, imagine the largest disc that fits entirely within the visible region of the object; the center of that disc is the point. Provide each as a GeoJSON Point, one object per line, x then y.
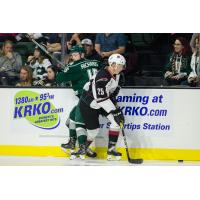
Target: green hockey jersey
{"type": "Point", "coordinates": [78, 72]}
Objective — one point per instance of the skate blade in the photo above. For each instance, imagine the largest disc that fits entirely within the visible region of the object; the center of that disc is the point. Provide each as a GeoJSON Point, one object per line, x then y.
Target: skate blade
{"type": "Point", "coordinates": [113, 158]}
{"type": "Point", "coordinates": [72, 157]}
{"type": "Point", "coordinates": [67, 150]}
{"type": "Point", "coordinates": [82, 157]}
{"type": "Point", "coordinates": [91, 156]}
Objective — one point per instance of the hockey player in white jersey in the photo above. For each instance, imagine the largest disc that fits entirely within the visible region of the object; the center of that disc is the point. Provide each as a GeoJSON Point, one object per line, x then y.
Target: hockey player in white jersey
{"type": "Point", "coordinates": [99, 95]}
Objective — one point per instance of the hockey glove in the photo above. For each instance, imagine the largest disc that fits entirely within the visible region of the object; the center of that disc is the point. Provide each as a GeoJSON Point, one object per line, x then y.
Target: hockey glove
{"type": "Point", "coordinates": [118, 116]}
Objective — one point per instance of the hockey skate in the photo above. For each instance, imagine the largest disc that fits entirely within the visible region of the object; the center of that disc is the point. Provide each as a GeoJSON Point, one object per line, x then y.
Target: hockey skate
{"type": "Point", "coordinates": [113, 154]}
{"type": "Point", "coordinates": [70, 146]}
{"type": "Point", "coordinates": [81, 153]}
{"type": "Point", "coordinates": [89, 151]}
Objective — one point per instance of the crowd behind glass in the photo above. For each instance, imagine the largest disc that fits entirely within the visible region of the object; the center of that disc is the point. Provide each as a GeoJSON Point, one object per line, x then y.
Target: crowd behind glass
{"type": "Point", "coordinates": [182, 66]}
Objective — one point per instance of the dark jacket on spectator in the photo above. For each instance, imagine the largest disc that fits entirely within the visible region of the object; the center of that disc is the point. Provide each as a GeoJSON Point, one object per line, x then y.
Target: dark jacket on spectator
{"type": "Point", "coordinates": [94, 56]}
{"type": "Point", "coordinates": [185, 68]}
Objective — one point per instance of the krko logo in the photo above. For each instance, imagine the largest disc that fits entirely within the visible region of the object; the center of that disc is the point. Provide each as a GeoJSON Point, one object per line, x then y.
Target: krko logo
{"type": "Point", "coordinates": [37, 109]}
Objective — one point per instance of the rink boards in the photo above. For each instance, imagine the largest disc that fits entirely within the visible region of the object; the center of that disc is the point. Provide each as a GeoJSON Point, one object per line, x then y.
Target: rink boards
{"type": "Point", "coordinates": [161, 124]}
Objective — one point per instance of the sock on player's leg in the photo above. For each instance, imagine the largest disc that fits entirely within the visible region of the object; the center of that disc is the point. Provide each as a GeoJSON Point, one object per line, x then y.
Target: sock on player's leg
{"type": "Point", "coordinates": [113, 137]}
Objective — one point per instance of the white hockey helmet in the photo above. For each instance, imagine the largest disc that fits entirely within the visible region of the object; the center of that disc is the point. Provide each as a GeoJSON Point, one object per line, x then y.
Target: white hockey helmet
{"type": "Point", "coordinates": [117, 59]}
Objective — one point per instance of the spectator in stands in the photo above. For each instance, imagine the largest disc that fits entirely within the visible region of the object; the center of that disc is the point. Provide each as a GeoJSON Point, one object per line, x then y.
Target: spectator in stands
{"type": "Point", "coordinates": [178, 68]}
{"type": "Point", "coordinates": [10, 63]}
{"type": "Point", "coordinates": [76, 38]}
{"type": "Point", "coordinates": [25, 77]}
{"type": "Point", "coordinates": [91, 36]}
{"type": "Point", "coordinates": [54, 43]}
{"type": "Point", "coordinates": [90, 52]}
{"type": "Point", "coordinates": [187, 36]}
{"type": "Point", "coordinates": [73, 39]}
{"type": "Point", "coordinates": [108, 43]}
{"type": "Point", "coordinates": [49, 81]}
{"type": "Point", "coordinates": [193, 41]}
{"type": "Point", "coordinates": [39, 64]}
{"type": "Point", "coordinates": [51, 74]}
{"type": "Point", "coordinates": [194, 76]}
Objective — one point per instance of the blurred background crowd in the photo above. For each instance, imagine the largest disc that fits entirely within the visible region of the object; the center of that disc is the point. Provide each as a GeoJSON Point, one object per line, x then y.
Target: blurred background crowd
{"type": "Point", "coordinates": [153, 59]}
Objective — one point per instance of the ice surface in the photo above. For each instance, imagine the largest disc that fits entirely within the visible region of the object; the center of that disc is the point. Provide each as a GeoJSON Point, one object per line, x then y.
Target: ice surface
{"type": "Point", "coordinates": [60, 161]}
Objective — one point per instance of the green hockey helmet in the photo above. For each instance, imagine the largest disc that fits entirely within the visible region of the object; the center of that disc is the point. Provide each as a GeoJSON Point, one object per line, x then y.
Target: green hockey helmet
{"type": "Point", "coordinates": [77, 49]}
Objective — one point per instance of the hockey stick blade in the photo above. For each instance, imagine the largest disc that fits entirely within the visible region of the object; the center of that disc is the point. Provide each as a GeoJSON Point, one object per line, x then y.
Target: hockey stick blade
{"type": "Point", "coordinates": [135, 161]}
{"type": "Point", "coordinates": [130, 160]}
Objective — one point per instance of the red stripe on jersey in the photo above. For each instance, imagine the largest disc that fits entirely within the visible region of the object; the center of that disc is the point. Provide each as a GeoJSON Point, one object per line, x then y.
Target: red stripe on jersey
{"type": "Point", "coordinates": [115, 133]}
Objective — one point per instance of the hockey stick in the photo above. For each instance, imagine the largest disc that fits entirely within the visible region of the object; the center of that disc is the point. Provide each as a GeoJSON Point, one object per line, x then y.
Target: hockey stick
{"type": "Point", "coordinates": [130, 160]}
{"type": "Point", "coordinates": [44, 50]}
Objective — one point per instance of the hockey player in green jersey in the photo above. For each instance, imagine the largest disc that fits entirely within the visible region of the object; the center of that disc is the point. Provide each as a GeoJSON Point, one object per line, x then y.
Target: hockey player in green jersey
{"type": "Point", "coordinates": [78, 73]}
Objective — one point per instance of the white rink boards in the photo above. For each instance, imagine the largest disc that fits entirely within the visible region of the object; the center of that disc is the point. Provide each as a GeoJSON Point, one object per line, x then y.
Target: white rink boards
{"type": "Point", "coordinates": [161, 124]}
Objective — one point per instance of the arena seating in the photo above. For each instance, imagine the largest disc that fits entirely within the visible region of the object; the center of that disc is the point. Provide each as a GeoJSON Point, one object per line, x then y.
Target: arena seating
{"type": "Point", "coordinates": [151, 60]}
{"type": "Point", "coordinates": [24, 49]}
